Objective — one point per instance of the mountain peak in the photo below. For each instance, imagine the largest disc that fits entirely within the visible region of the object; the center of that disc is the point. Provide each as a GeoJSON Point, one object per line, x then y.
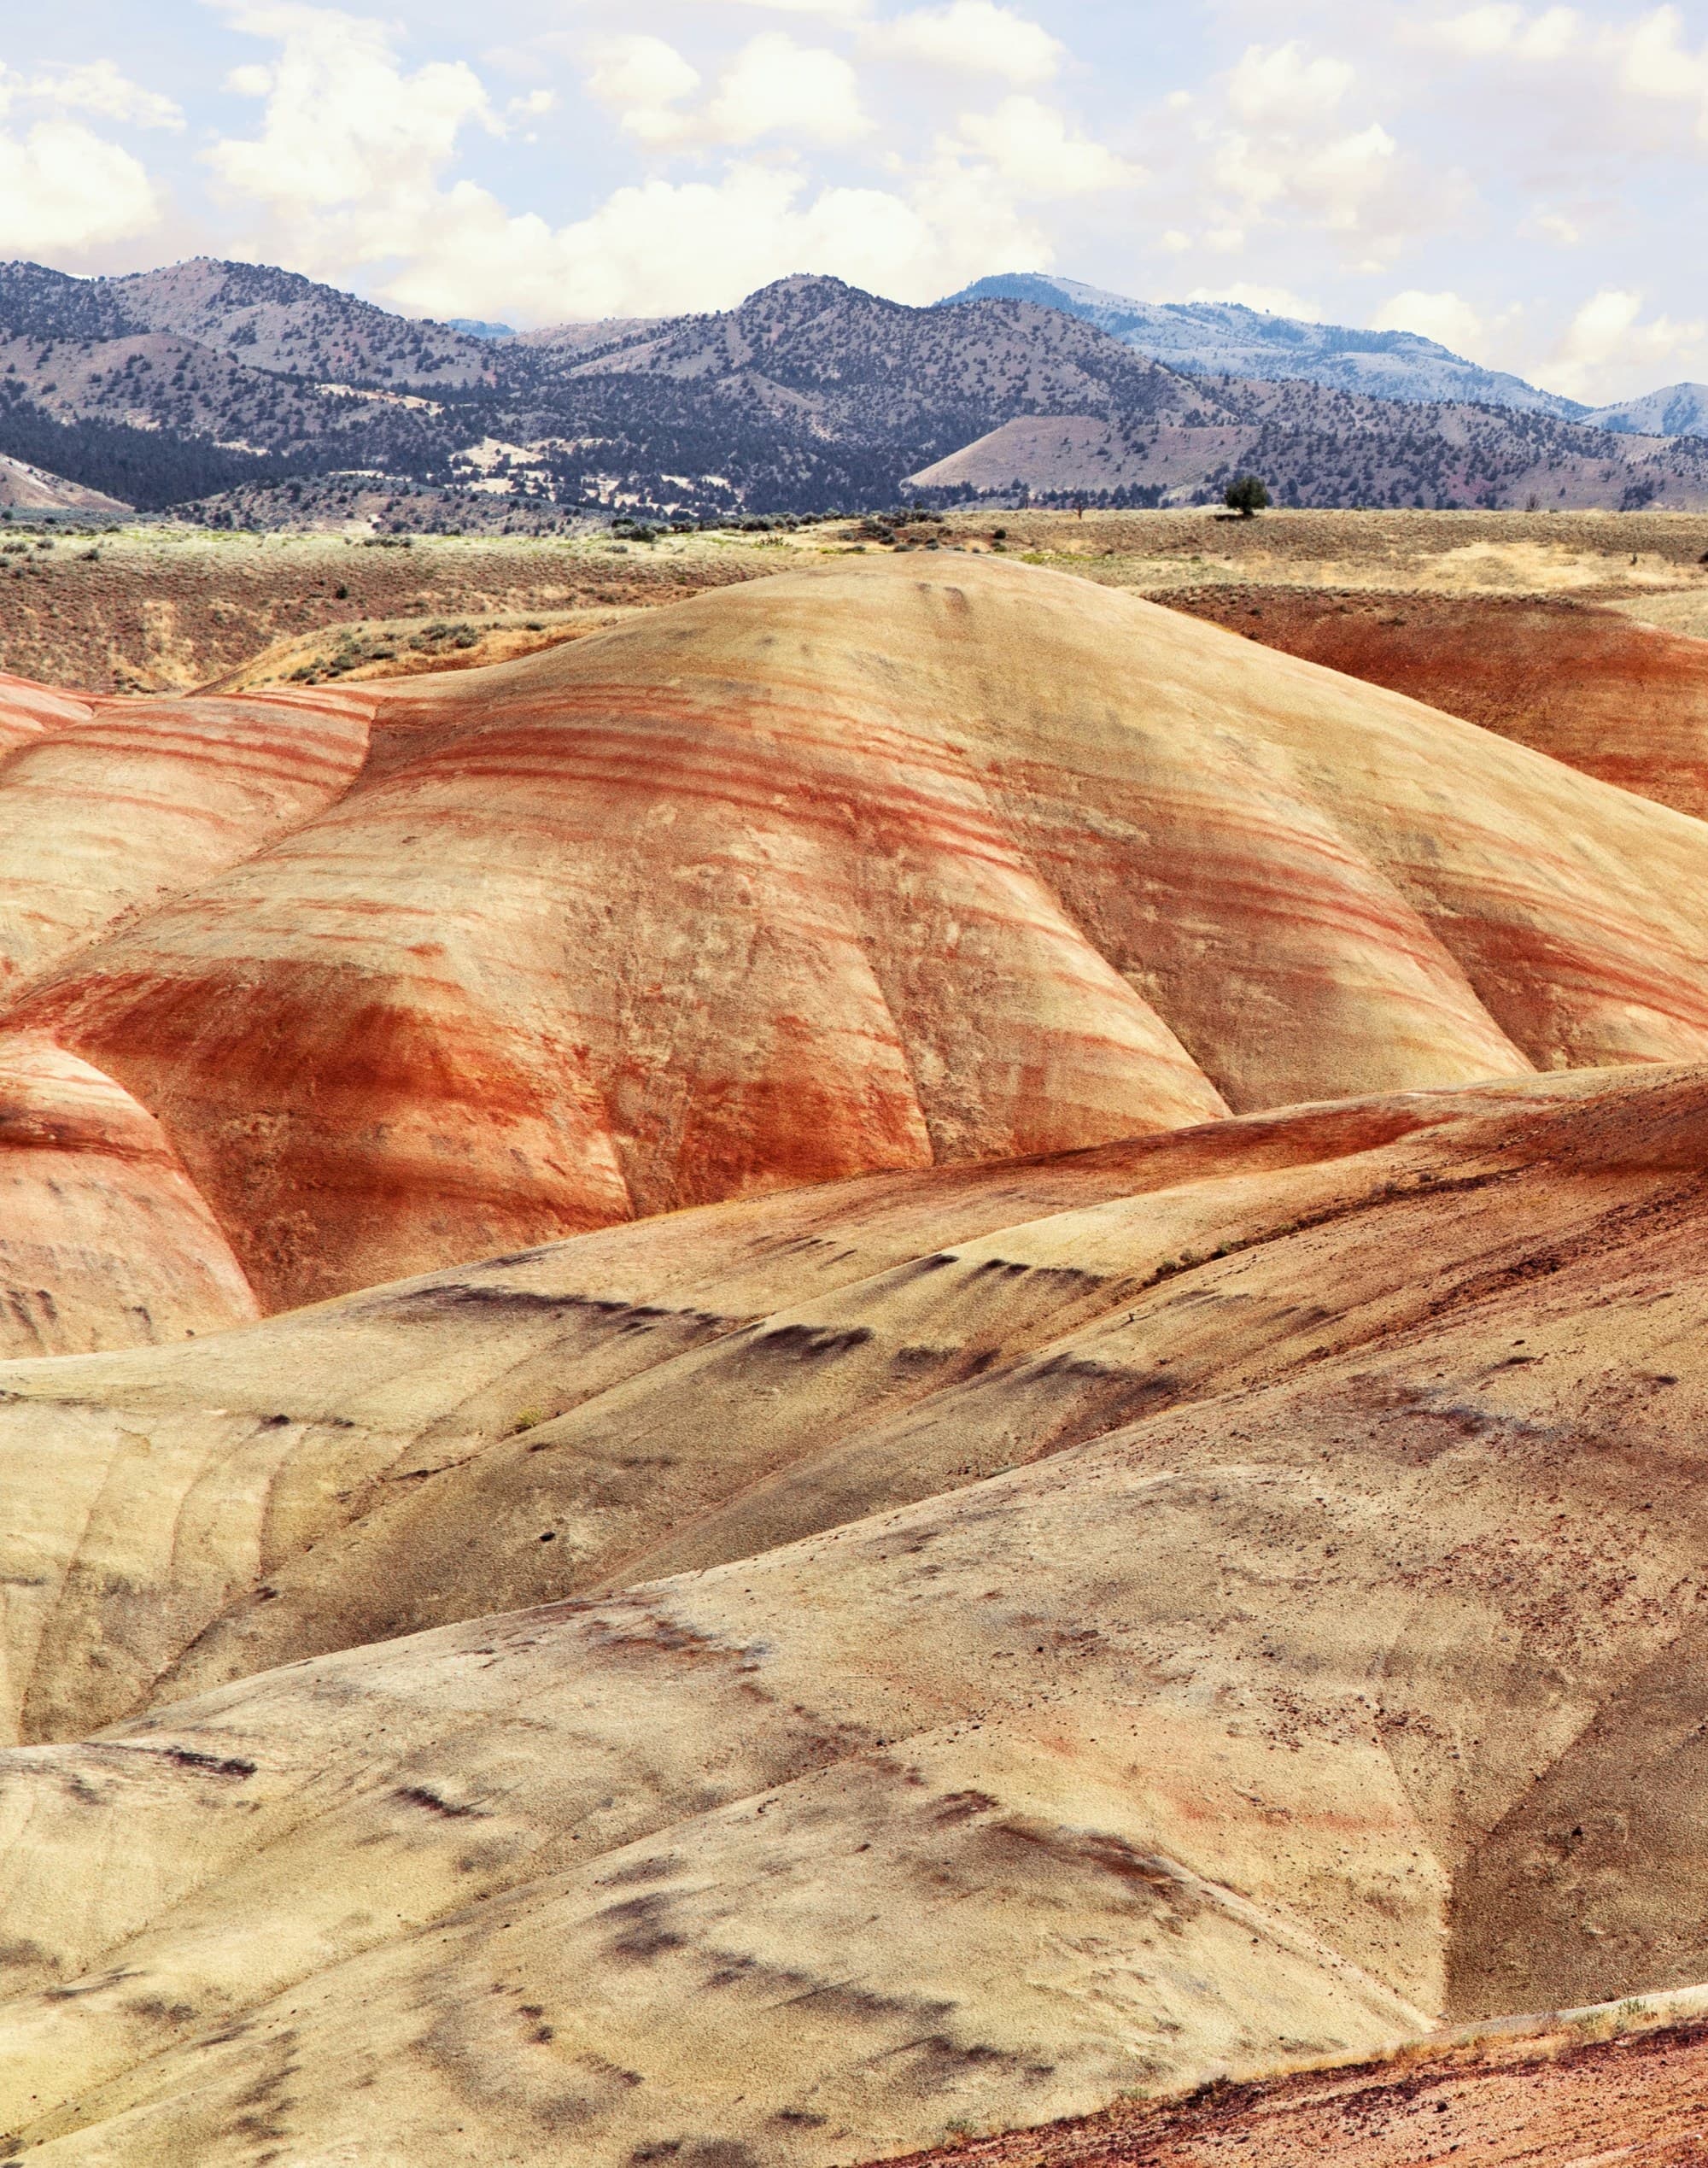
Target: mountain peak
{"type": "Point", "coordinates": [1676, 410]}
{"type": "Point", "coordinates": [1230, 338]}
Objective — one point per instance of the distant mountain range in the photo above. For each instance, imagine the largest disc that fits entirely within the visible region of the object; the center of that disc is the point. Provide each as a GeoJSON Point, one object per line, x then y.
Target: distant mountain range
{"type": "Point", "coordinates": [1218, 338]}
{"type": "Point", "coordinates": [258, 395]}
{"type": "Point", "coordinates": [1676, 410]}
{"type": "Point", "coordinates": [1224, 339]}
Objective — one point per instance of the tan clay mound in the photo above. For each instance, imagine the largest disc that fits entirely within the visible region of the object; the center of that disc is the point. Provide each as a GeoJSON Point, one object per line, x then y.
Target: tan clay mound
{"type": "Point", "coordinates": [880, 864]}
{"type": "Point", "coordinates": [726, 1379]}
{"type": "Point", "coordinates": [1326, 1663]}
{"type": "Point", "coordinates": [1616, 699]}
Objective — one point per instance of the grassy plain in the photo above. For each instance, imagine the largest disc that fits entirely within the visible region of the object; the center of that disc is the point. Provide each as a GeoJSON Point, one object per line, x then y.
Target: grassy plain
{"type": "Point", "coordinates": [161, 609]}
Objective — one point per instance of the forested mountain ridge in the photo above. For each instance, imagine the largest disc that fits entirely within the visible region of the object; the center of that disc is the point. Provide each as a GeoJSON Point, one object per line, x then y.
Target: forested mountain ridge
{"type": "Point", "coordinates": [178, 386]}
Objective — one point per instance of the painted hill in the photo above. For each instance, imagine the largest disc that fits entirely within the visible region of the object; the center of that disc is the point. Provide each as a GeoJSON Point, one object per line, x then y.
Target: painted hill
{"type": "Point", "coordinates": [1225, 338]}
{"type": "Point", "coordinates": [800, 879]}
{"type": "Point", "coordinates": [1235, 1603]}
{"type": "Point", "coordinates": [1603, 692]}
{"type": "Point", "coordinates": [1139, 1524]}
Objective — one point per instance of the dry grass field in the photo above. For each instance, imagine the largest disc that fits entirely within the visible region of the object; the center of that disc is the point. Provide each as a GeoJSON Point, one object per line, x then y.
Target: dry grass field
{"type": "Point", "coordinates": [160, 609]}
{"type": "Point", "coordinates": [1651, 565]}
{"type": "Point", "coordinates": [164, 609]}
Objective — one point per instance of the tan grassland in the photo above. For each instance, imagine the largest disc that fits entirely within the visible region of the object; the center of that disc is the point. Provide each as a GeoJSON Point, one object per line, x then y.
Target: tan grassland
{"type": "Point", "coordinates": [161, 609]}
{"type": "Point", "coordinates": [1650, 565]}
{"type": "Point", "coordinates": [158, 608]}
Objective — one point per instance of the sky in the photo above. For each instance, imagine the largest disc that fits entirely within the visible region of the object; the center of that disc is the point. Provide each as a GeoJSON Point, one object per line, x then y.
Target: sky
{"type": "Point", "coordinates": [1527, 184]}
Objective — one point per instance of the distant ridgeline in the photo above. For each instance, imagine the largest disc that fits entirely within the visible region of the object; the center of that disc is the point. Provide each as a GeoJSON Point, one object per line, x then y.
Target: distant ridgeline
{"type": "Point", "coordinates": [1226, 338]}
{"type": "Point", "coordinates": [220, 385]}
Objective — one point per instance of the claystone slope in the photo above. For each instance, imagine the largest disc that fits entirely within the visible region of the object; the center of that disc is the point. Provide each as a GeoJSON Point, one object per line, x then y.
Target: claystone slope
{"type": "Point", "coordinates": [880, 864]}
{"type": "Point", "coordinates": [1324, 1659]}
{"type": "Point", "coordinates": [1594, 688]}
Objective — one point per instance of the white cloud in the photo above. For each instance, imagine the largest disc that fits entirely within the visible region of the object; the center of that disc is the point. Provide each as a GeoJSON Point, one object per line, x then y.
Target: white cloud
{"type": "Point", "coordinates": [63, 188]}
{"type": "Point", "coordinates": [830, 10]}
{"type": "Point", "coordinates": [1342, 184]}
{"type": "Point", "coordinates": [975, 35]}
{"type": "Point", "coordinates": [1278, 149]}
{"type": "Point", "coordinates": [643, 80]}
{"type": "Point", "coordinates": [98, 87]}
{"type": "Point", "coordinates": [1447, 318]}
{"type": "Point", "coordinates": [344, 123]}
{"type": "Point", "coordinates": [1614, 71]}
{"type": "Point", "coordinates": [1272, 301]}
{"type": "Point", "coordinates": [1032, 147]}
{"type": "Point", "coordinates": [1608, 353]}
{"type": "Point", "coordinates": [775, 86]}
{"type": "Point", "coordinates": [1280, 88]}
{"type": "Point", "coordinates": [1564, 232]}
{"type": "Point", "coordinates": [1484, 33]}
{"type": "Point", "coordinates": [1654, 62]}
{"type": "Point", "coordinates": [354, 161]}
{"type": "Point", "coordinates": [662, 247]}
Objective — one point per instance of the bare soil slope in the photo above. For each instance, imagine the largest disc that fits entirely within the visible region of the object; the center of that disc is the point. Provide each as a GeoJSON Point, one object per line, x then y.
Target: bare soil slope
{"type": "Point", "coordinates": [1326, 1659]}
{"type": "Point", "coordinates": [1613, 2088]}
{"type": "Point", "coordinates": [1615, 698]}
{"type": "Point", "coordinates": [34, 488]}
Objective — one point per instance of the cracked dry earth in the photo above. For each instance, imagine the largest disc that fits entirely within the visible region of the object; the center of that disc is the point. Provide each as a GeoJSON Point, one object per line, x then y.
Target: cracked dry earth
{"type": "Point", "coordinates": [1104, 1594]}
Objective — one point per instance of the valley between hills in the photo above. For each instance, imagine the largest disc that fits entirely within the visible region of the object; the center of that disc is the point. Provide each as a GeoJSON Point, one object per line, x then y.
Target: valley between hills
{"type": "Point", "coordinates": [880, 1340]}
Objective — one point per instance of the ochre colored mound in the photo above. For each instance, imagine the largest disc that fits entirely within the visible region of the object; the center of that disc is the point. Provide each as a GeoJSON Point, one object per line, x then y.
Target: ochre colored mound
{"type": "Point", "coordinates": [103, 1241]}
{"type": "Point", "coordinates": [880, 865]}
{"type": "Point", "coordinates": [1615, 698]}
{"type": "Point", "coordinates": [724, 1380]}
{"type": "Point", "coordinates": [1272, 1625]}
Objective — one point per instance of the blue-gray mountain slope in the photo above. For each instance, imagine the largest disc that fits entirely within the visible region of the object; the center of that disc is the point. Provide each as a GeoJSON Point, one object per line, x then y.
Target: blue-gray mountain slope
{"type": "Point", "coordinates": [1224, 339]}
{"type": "Point", "coordinates": [1676, 410]}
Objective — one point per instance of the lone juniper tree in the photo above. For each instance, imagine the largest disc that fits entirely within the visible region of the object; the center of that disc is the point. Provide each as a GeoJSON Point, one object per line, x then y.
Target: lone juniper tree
{"type": "Point", "coordinates": [1245, 496]}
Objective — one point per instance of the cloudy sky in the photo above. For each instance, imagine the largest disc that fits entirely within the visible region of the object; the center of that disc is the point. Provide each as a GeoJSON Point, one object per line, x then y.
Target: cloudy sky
{"type": "Point", "coordinates": [1526, 183]}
